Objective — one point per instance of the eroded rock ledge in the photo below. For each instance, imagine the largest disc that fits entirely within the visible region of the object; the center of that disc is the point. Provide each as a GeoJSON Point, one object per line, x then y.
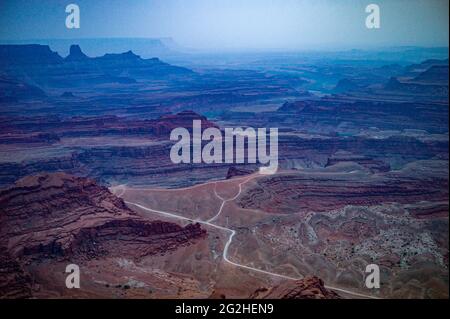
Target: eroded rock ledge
{"type": "Point", "coordinates": [310, 287]}
{"type": "Point", "coordinates": [57, 215]}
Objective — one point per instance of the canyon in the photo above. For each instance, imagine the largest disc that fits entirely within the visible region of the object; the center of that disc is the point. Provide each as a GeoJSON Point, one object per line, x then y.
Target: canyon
{"type": "Point", "coordinates": [58, 218]}
{"type": "Point", "coordinates": [86, 175]}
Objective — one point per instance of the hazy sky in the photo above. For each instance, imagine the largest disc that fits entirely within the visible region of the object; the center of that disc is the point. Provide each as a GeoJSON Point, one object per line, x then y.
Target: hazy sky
{"type": "Point", "coordinates": [235, 24]}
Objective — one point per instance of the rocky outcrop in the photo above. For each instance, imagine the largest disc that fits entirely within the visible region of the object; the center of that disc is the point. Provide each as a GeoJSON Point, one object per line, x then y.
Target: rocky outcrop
{"type": "Point", "coordinates": [52, 71]}
{"type": "Point", "coordinates": [414, 70]}
{"type": "Point", "coordinates": [437, 74]}
{"type": "Point", "coordinates": [325, 191]}
{"type": "Point", "coordinates": [374, 165]}
{"type": "Point", "coordinates": [310, 287]}
{"type": "Point", "coordinates": [425, 84]}
{"type": "Point", "coordinates": [103, 125]}
{"type": "Point", "coordinates": [76, 54]}
{"type": "Point", "coordinates": [61, 216]}
{"type": "Point", "coordinates": [340, 114]}
{"type": "Point", "coordinates": [28, 54]}
{"type": "Point", "coordinates": [184, 119]}
{"type": "Point", "coordinates": [234, 171]}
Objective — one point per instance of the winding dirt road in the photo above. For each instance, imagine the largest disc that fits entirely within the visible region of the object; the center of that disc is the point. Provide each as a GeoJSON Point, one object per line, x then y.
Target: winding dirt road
{"type": "Point", "coordinates": [229, 230]}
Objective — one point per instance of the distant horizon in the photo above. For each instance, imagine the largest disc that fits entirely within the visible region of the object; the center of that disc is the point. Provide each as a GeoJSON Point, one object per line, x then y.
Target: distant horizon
{"type": "Point", "coordinates": [324, 48]}
{"type": "Point", "coordinates": [219, 25]}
